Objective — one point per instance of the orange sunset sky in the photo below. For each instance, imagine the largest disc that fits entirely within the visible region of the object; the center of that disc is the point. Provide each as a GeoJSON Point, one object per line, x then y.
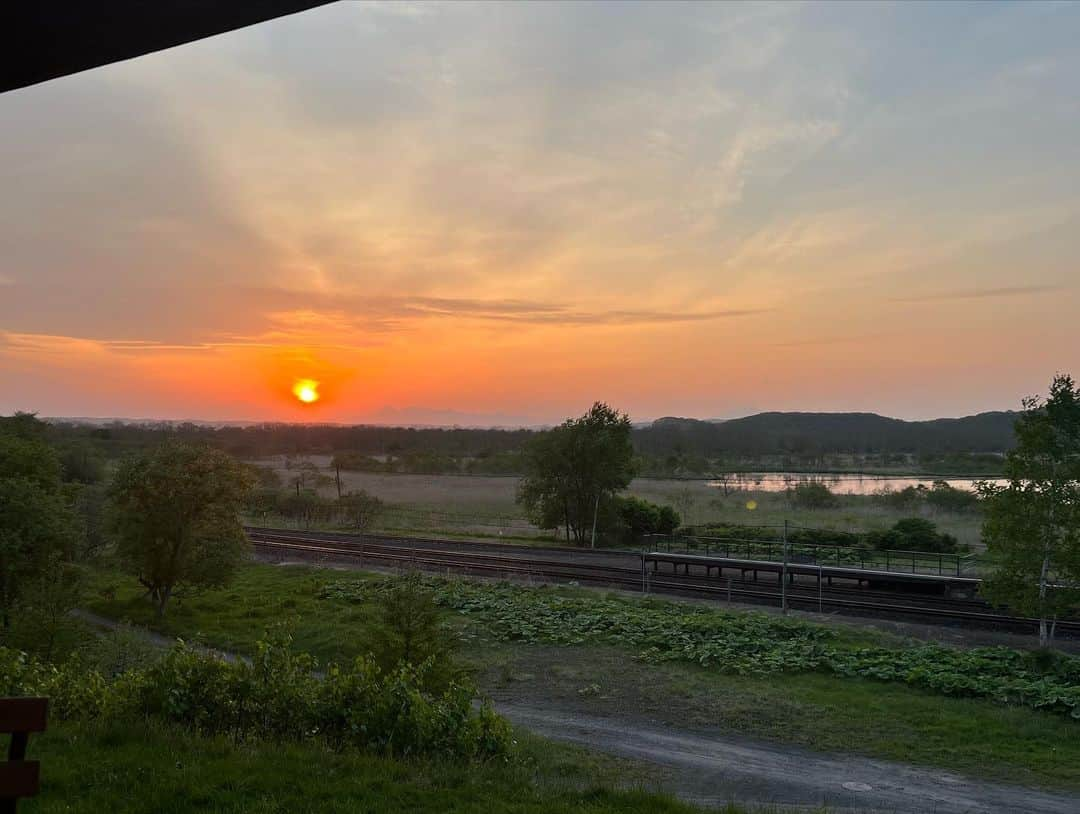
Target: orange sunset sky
{"type": "Point", "coordinates": [497, 214]}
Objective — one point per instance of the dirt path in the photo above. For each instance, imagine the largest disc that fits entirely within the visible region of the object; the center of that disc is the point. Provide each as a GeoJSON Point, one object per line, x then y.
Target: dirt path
{"type": "Point", "coordinates": [714, 769]}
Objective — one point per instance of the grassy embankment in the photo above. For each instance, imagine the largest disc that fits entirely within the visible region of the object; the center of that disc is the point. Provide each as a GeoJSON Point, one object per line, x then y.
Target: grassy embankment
{"type": "Point", "coordinates": [811, 709]}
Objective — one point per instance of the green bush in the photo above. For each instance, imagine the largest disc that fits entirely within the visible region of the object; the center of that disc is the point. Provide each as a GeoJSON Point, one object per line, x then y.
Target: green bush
{"type": "Point", "coordinates": [277, 696]}
{"type": "Point", "coordinates": [410, 630]}
{"type": "Point", "coordinates": [640, 517]}
{"type": "Point", "coordinates": [947, 498]}
{"type": "Point", "coordinates": [812, 495]}
{"type": "Point", "coordinates": [914, 534]}
{"type": "Point", "coordinates": [907, 499]}
{"type": "Point", "coordinates": [941, 497]}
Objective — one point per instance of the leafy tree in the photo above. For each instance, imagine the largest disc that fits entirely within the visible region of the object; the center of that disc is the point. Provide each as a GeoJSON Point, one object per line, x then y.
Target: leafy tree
{"type": "Point", "coordinates": [46, 603]}
{"type": "Point", "coordinates": [89, 505]}
{"type": "Point", "coordinates": [1032, 524]}
{"type": "Point", "coordinates": [29, 459]}
{"type": "Point", "coordinates": [571, 468]}
{"type": "Point", "coordinates": [36, 525]}
{"type": "Point", "coordinates": [81, 463]}
{"type": "Point", "coordinates": [361, 509]}
{"type": "Point", "coordinates": [640, 516]}
{"type": "Point", "coordinates": [23, 425]}
{"type": "Point", "coordinates": [175, 517]}
{"type": "Point", "coordinates": [36, 522]}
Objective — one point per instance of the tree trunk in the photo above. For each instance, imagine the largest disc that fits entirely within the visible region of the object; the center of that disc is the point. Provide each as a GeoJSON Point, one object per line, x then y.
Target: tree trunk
{"type": "Point", "coordinates": [163, 599]}
{"type": "Point", "coordinates": [1044, 636]}
{"type": "Point", "coordinates": [566, 518]}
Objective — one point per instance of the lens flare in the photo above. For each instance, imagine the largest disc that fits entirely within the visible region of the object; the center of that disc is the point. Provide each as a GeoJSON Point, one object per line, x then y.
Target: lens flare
{"type": "Point", "coordinates": [306, 390]}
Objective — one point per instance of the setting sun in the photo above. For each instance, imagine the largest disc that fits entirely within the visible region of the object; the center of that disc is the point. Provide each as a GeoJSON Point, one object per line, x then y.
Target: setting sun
{"type": "Point", "coordinates": [306, 390]}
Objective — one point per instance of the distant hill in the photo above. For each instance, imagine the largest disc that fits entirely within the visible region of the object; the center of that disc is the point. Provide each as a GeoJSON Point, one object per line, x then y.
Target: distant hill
{"type": "Point", "coordinates": [668, 446]}
{"type": "Point", "coordinates": [813, 433]}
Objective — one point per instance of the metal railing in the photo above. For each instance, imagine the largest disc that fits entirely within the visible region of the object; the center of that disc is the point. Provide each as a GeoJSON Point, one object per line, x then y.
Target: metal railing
{"type": "Point", "coordinates": [909, 562]}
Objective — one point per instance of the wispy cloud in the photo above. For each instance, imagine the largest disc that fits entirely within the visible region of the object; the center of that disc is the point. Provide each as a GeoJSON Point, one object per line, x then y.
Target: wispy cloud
{"type": "Point", "coordinates": [547, 313]}
{"type": "Point", "coordinates": [982, 293]}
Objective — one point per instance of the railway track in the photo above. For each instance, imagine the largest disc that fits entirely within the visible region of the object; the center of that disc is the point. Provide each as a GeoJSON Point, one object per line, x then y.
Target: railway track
{"type": "Point", "coordinates": [617, 569]}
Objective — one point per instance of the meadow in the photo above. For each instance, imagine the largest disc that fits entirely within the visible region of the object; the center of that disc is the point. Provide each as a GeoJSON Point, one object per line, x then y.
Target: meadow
{"type": "Point", "coordinates": [562, 647]}
{"type": "Point", "coordinates": [484, 505]}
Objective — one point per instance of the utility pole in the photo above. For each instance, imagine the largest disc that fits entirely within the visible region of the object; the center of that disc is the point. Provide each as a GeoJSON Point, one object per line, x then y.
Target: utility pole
{"type": "Point", "coordinates": [783, 574]}
{"type": "Point", "coordinates": [596, 511]}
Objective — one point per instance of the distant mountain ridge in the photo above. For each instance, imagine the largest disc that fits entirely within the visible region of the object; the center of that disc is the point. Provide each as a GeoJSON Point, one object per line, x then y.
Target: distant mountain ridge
{"type": "Point", "coordinates": [808, 433]}
{"type": "Point", "coordinates": [668, 445]}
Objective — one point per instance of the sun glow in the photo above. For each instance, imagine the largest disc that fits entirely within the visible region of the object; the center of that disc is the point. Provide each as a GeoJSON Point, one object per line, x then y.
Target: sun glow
{"type": "Point", "coordinates": [306, 390]}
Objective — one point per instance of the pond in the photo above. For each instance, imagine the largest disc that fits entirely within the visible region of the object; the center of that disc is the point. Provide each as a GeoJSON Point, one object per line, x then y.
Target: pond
{"type": "Point", "coordinates": [847, 483]}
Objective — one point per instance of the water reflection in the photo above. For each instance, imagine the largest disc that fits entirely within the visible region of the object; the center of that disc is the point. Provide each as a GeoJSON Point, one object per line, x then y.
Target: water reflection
{"type": "Point", "coordinates": [842, 484]}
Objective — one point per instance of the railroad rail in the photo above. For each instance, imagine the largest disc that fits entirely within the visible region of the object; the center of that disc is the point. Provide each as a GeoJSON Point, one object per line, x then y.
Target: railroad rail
{"type": "Point", "coordinates": [628, 570]}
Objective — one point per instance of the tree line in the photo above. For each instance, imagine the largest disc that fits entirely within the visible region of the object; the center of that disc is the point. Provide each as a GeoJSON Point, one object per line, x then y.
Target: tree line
{"type": "Point", "coordinates": [664, 448]}
{"type": "Point", "coordinates": [172, 512]}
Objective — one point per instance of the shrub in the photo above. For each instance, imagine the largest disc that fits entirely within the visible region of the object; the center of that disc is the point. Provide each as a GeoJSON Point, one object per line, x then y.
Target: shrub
{"type": "Point", "coordinates": [907, 499]}
{"type": "Point", "coordinates": [812, 495]}
{"type": "Point", "coordinates": [947, 498]}
{"type": "Point", "coordinates": [410, 631]}
{"type": "Point", "coordinates": [640, 517]}
{"type": "Point", "coordinates": [278, 696]}
{"type": "Point", "coordinates": [914, 534]}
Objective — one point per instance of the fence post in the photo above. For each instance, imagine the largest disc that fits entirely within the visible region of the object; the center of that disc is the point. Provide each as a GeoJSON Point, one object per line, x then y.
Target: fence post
{"type": "Point", "coordinates": [783, 575]}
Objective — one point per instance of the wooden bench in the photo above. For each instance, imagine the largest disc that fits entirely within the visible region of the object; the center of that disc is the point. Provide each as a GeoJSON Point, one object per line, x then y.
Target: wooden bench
{"type": "Point", "coordinates": [20, 777]}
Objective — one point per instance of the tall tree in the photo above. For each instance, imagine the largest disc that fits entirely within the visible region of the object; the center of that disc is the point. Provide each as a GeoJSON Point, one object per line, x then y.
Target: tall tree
{"type": "Point", "coordinates": [37, 527]}
{"type": "Point", "coordinates": [573, 467]}
{"type": "Point", "coordinates": [1032, 525]}
{"type": "Point", "coordinates": [175, 514]}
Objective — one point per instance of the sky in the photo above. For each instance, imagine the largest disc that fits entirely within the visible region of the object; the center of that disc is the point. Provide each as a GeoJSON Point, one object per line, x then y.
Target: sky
{"type": "Point", "coordinates": [501, 213]}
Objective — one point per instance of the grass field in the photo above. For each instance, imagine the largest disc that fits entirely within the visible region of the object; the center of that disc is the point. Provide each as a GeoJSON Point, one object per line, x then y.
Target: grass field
{"type": "Point", "coordinates": [96, 767]}
{"type": "Point", "coordinates": [481, 505]}
{"type": "Point", "coordinates": [819, 711]}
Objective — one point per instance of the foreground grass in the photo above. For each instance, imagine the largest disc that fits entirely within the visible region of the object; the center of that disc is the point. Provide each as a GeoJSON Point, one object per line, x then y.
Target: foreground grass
{"type": "Point", "coordinates": [159, 768]}
{"type": "Point", "coordinates": [821, 712]}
